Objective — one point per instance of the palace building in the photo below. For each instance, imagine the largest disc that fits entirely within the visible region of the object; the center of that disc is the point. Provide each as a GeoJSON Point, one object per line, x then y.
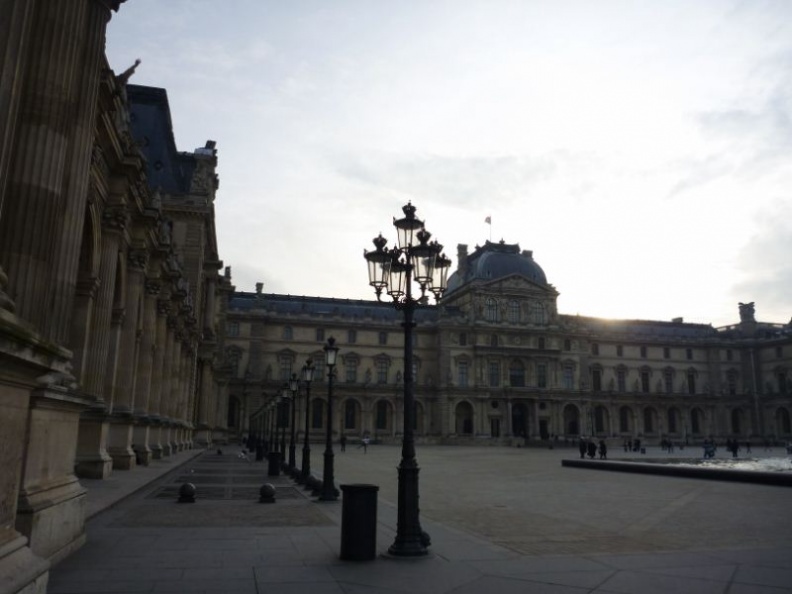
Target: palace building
{"type": "Point", "coordinates": [495, 362]}
{"type": "Point", "coordinates": [110, 291]}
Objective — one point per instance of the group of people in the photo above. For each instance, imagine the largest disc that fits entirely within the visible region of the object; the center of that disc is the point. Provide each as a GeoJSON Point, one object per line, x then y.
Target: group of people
{"type": "Point", "coordinates": [364, 442]}
{"type": "Point", "coordinates": [588, 447]}
{"type": "Point", "coordinates": [632, 445]}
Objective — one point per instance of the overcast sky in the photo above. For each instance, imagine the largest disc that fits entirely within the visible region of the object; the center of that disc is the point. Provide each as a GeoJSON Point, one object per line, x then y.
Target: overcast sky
{"type": "Point", "coordinates": [642, 150]}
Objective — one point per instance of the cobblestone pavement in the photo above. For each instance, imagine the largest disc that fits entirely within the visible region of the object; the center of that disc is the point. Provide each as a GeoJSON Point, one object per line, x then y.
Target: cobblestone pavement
{"type": "Point", "coordinates": [502, 520]}
{"type": "Point", "coordinates": [522, 498]}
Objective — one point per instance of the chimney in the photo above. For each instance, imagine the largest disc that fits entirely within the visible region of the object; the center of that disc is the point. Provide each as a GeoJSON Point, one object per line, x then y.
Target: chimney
{"type": "Point", "coordinates": [462, 264]}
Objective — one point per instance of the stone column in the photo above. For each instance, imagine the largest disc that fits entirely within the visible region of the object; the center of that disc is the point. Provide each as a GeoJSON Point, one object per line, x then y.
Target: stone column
{"type": "Point", "coordinates": [203, 435]}
{"type": "Point", "coordinates": [142, 411]}
{"type": "Point", "coordinates": [175, 390]}
{"type": "Point", "coordinates": [155, 393]}
{"type": "Point", "coordinates": [167, 379]}
{"type": "Point", "coordinates": [128, 347]}
{"type": "Point", "coordinates": [53, 137]}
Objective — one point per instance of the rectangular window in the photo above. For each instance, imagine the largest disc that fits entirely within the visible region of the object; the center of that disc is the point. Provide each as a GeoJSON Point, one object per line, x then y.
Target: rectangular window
{"type": "Point", "coordinates": [567, 344]}
{"type": "Point", "coordinates": [320, 372]}
{"type": "Point", "coordinates": [351, 336]}
{"type": "Point", "coordinates": [669, 382]}
{"type": "Point", "coordinates": [666, 353]}
{"type": "Point", "coordinates": [779, 352]}
{"type": "Point", "coordinates": [643, 352]}
{"type": "Point", "coordinates": [383, 338]}
{"type": "Point", "coordinates": [689, 354]}
{"type": "Point", "coordinates": [285, 365]}
{"type": "Point", "coordinates": [594, 348]}
{"type": "Point", "coordinates": [569, 378]}
{"type": "Point", "coordinates": [320, 337]}
{"type": "Point", "coordinates": [691, 382]}
{"type": "Point", "coordinates": [494, 374]}
{"type": "Point", "coordinates": [462, 374]}
{"type": "Point", "coordinates": [621, 380]}
{"type": "Point", "coordinates": [645, 382]}
{"type": "Point", "coordinates": [729, 355]}
{"type": "Point", "coordinates": [232, 329]}
{"type": "Point", "coordinates": [351, 372]}
{"type": "Point", "coordinates": [541, 375]}
{"type": "Point", "coordinates": [732, 383]}
{"type": "Point", "coordinates": [462, 339]}
{"type": "Point", "coordinates": [382, 371]}
{"type": "Point", "coordinates": [596, 380]}
{"type": "Point", "coordinates": [782, 382]}
{"type": "Point", "coordinates": [541, 343]}
{"type": "Point", "coordinates": [619, 350]}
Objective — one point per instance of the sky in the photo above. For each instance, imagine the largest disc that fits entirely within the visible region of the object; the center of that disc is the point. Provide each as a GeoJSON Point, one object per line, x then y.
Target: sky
{"type": "Point", "coordinates": [641, 149]}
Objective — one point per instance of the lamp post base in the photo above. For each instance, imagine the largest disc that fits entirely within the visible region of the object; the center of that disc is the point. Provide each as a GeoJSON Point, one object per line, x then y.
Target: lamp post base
{"type": "Point", "coordinates": [411, 540]}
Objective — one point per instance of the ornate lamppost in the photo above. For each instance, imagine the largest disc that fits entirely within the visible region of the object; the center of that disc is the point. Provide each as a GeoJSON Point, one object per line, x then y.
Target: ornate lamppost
{"type": "Point", "coordinates": [294, 384]}
{"type": "Point", "coordinates": [307, 375]}
{"type": "Point", "coordinates": [283, 414]}
{"type": "Point", "coordinates": [393, 271]}
{"type": "Point", "coordinates": [328, 481]}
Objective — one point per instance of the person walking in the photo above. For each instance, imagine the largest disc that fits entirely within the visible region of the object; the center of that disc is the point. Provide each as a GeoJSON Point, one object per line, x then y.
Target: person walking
{"type": "Point", "coordinates": [343, 442]}
{"type": "Point", "coordinates": [603, 450]}
{"type": "Point", "coordinates": [582, 448]}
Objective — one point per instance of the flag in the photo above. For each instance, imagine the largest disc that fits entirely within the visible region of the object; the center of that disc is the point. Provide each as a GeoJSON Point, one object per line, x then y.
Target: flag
{"type": "Point", "coordinates": [488, 220]}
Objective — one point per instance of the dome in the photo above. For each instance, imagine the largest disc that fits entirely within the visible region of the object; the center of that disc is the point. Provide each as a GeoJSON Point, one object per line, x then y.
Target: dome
{"type": "Point", "coordinates": [493, 261]}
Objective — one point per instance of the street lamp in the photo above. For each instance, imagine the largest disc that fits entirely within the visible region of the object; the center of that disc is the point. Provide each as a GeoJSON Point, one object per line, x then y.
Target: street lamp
{"type": "Point", "coordinates": [294, 384]}
{"type": "Point", "coordinates": [393, 271]}
{"type": "Point", "coordinates": [307, 375]}
{"type": "Point", "coordinates": [328, 482]}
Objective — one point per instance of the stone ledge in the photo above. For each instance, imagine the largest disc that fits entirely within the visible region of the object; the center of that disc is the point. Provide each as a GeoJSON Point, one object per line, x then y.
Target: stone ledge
{"type": "Point", "coordinates": [780, 479]}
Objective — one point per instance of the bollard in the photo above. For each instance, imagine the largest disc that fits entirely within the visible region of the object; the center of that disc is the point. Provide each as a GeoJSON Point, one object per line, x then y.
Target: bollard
{"type": "Point", "coordinates": [267, 493]}
{"type": "Point", "coordinates": [187, 493]}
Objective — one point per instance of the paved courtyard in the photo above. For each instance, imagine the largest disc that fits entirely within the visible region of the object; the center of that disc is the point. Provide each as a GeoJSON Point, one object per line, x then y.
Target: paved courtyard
{"type": "Point", "coordinates": [502, 520]}
{"type": "Point", "coordinates": [524, 500]}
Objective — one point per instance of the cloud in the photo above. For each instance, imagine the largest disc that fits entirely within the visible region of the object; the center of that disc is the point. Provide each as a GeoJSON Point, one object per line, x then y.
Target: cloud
{"type": "Point", "coordinates": [766, 266]}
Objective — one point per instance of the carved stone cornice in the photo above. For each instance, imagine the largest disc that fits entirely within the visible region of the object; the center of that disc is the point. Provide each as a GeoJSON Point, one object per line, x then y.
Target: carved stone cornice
{"type": "Point", "coordinates": [163, 306]}
{"type": "Point", "coordinates": [153, 287]}
{"type": "Point", "coordinates": [137, 258]}
{"type": "Point", "coordinates": [115, 217]}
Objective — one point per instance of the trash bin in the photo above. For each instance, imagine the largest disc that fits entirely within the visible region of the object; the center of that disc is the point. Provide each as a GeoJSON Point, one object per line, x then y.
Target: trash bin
{"type": "Point", "coordinates": [273, 466]}
{"type": "Point", "coordinates": [359, 522]}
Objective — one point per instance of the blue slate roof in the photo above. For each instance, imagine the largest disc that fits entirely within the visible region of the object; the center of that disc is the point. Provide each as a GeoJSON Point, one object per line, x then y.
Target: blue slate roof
{"type": "Point", "coordinates": [152, 129]}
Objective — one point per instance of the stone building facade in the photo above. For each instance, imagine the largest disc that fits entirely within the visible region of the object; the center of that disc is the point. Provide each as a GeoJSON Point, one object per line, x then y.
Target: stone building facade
{"type": "Point", "coordinates": [495, 362]}
{"type": "Point", "coordinates": [109, 288]}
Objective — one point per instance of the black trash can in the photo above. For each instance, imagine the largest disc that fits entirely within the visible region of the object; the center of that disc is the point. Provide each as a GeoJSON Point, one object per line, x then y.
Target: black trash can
{"type": "Point", "coordinates": [273, 466]}
{"type": "Point", "coordinates": [359, 522]}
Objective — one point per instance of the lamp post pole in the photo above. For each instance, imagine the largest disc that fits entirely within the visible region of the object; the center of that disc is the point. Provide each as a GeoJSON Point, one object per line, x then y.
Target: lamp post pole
{"type": "Point", "coordinates": [394, 270]}
{"type": "Point", "coordinates": [294, 384]}
{"type": "Point", "coordinates": [307, 372]}
{"type": "Point", "coordinates": [328, 481]}
{"type": "Point", "coordinates": [282, 416]}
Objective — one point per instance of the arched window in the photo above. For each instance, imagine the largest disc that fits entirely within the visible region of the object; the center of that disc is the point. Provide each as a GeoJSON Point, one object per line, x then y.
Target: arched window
{"type": "Point", "coordinates": [782, 421]}
{"type": "Point", "coordinates": [491, 310]}
{"type": "Point", "coordinates": [649, 420]}
{"type": "Point", "coordinates": [464, 418]}
{"type": "Point", "coordinates": [625, 416]}
{"type": "Point", "coordinates": [673, 415]}
{"type": "Point", "coordinates": [350, 414]}
{"type": "Point", "coordinates": [383, 416]}
{"type": "Point", "coordinates": [317, 414]}
{"type": "Point", "coordinates": [736, 421]}
{"type": "Point", "coordinates": [514, 312]}
{"type": "Point", "coordinates": [696, 419]}
{"type": "Point", "coordinates": [600, 419]}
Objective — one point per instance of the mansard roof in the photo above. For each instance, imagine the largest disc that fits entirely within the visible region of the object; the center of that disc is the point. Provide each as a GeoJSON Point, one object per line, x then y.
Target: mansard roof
{"type": "Point", "coordinates": [325, 307]}
{"type": "Point", "coordinates": [151, 126]}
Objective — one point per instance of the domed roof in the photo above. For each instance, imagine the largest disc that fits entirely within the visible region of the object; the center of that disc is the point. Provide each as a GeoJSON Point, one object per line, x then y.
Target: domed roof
{"type": "Point", "coordinates": [493, 261]}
